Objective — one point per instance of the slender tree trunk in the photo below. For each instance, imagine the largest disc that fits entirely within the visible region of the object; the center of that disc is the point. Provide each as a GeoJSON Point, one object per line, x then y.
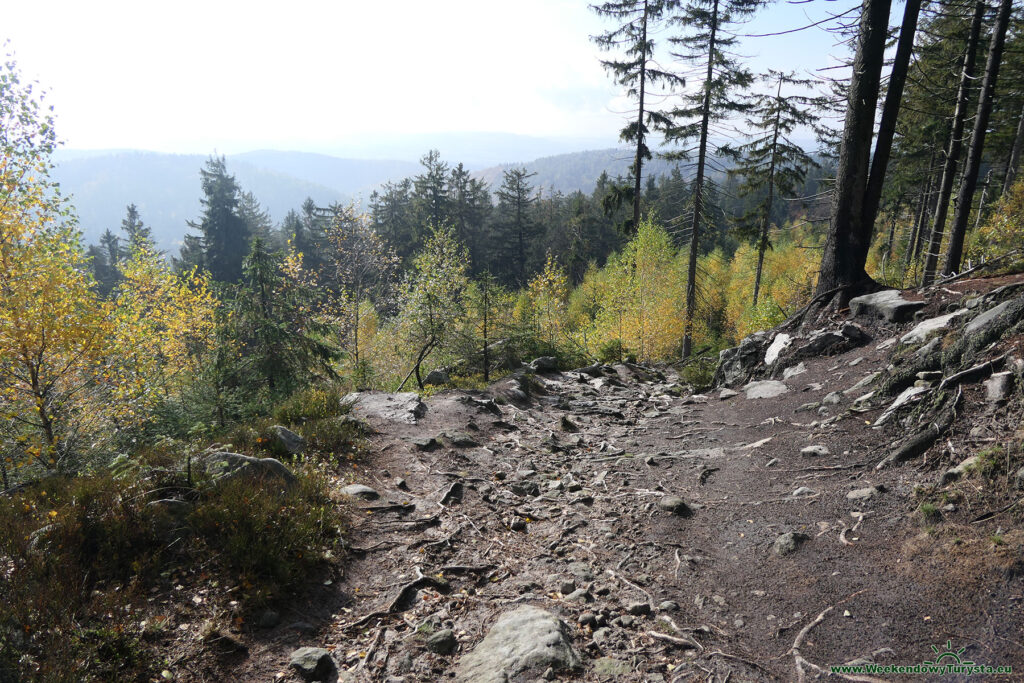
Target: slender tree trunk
{"type": "Point", "coordinates": [956, 135]}
{"type": "Point", "coordinates": [698, 190]}
{"type": "Point", "coordinates": [887, 127]}
{"type": "Point", "coordinates": [1014, 162]}
{"type": "Point", "coordinates": [969, 180]}
{"type": "Point", "coordinates": [640, 137]}
{"type": "Point", "coordinates": [487, 305]}
{"type": "Point", "coordinates": [914, 242]}
{"type": "Point", "coordinates": [762, 246]}
{"type": "Point", "coordinates": [842, 264]}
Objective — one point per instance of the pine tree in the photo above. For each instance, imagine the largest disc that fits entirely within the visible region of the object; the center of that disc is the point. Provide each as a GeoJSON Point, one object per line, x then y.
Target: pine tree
{"type": "Point", "coordinates": [969, 179]}
{"type": "Point", "coordinates": [955, 137]}
{"type": "Point", "coordinates": [708, 36]}
{"type": "Point", "coordinates": [771, 163]}
{"type": "Point", "coordinates": [637, 70]}
{"type": "Point", "coordinates": [515, 199]}
{"type": "Point", "coordinates": [138, 235]}
{"type": "Point", "coordinates": [223, 240]}
{"type": "Point", "coordinates": [280, 342]}
{"type": "Point", "coordinates": [470, 208]}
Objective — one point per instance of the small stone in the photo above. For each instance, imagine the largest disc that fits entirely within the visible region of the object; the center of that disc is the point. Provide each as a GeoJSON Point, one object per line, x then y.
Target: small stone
{"type": "Point", "coordinates": [526, 489]}
{"type": "Point", "coordinates": [401, 484]}
{"type": "Point", "coordinates": [313, 663]}
{"type": "Point", "coordinates": [544, 364]}
{"type": "Point", "coordinates": [579, 595]}
{"type": "Point", "coordinates": [588, 619]}
{"type": "Point", "coordinates": [556, 485]}
{"type": "Point", "coordinates": [797, 369]}
{"type": "Point", "coordinates": [789, 542]}
{"type": "Point", "coordinates": [955, 473]}
{"type": "Point", "coordinates": [675, 505]}
{"type": "Point", "coordinates": [581, 570]}
{"type": "Point", "coordinates": [1018, 479]}
{"type": "Point", "coordinates": [286, 440]}
{"type": "Point", "coordinates": [360, 491]}
{"type": "Point", "coordinates": [832, 398]}
{"type": "Point", "coordinates": [998, 387]}
{"type": "Point", "coordinates": [727, 393]}
{"type": "Point", "coordinates": [718, 600]}
{"type": "Point", "coordinates": [567, 587]}
{"type": "Point", "coordinates": [768, 388]}
{"type": "Point", "coordinates": [803, 491]}
{"type": "Point", "coordinates": [815, 451]}
{"type": "Point", "coordinates": [639, 609]}
{"type": "Point", "coordinates": [568, 425]}
{"type": "Point", "coordinates": [865, 493]}
{"type": "Point", "coordinates": [667, 606]}
{"type": "Point", "coordinates": [601, 636]}
{"type": "Point", "coordinates": [517, 524]}
{"type": "Point", "coordinates": [611, 668]}
{"type": "Point", "coordinates": [436, 378]}
{"type": "Point", "coordinates": [443, 642]}
{"type": "Point", "coordinates": [426, 444]}
{"type": "Point", "coordinates": [269, 619]}
{"type": "Point", "coordinates": [460, 440]}
{"type": "Point", "coordinates": [625, 621]}
{"type": "Point", "coordinates": [738, 623]}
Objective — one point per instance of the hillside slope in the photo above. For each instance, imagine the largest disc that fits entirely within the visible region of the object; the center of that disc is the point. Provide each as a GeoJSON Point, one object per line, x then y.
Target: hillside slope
{"type": "Point", "coordinates": [605, 523]}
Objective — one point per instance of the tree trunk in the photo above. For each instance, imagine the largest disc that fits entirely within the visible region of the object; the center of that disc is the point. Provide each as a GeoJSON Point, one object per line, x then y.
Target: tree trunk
{"type": "Point", "coordinates": [931, 259]}
{"type": "Point", "coordinates": [887, 127]}
{"type": "Point", "coordinates": [913, 243]}
{"type": "Point", "coordinates": [1014, 162]}
{"type": "Point", "coordinates": [640, 138]}
{"type": "Point", "coordinates": [842, 264]}
{"type": "Point", "coordinates": [698, 191]}
{"type": "Point", "coordinates": [762, 246]}
{"type": "Point", "coordinates": [969, 180]}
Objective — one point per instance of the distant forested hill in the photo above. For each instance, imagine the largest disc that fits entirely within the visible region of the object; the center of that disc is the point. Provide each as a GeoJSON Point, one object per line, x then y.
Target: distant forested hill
{"type": "Point", "coordinates": [166, 189]}
{"type": "Point", "coordinates": [578, 170]}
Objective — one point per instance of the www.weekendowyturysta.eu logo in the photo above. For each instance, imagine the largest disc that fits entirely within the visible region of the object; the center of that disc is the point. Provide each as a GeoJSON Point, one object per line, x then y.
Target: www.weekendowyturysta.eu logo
{"type": "Point", "coordinates": [946, 661]}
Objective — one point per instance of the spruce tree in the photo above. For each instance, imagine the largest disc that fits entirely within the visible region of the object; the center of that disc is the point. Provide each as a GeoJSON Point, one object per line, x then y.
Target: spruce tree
{"type": "Point", "coordinates": [708, 35]}
{"type": "Point", "coordinates": [771, 163]}
{"type": "Point", "coordinates": [223, 240]}
{"type": "Point", "coordinates": [515, 200]}
{"type": "Point", "coordinates": [138, 235]}
{"type": "Point", "coordinates": [637, 70]}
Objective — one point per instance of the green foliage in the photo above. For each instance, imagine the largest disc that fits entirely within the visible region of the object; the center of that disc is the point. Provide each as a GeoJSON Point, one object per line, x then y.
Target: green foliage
{"type": "Point", "coordinates": [316, 402]}
{"type": "Point", "coordinates": [224, 236]}
{"type": "Point", "coordinates": [84, 554]}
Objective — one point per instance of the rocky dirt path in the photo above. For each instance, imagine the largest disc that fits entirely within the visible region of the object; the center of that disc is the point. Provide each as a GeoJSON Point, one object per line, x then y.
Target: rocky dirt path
{"type": "Point", "coordinates": [612, 527]}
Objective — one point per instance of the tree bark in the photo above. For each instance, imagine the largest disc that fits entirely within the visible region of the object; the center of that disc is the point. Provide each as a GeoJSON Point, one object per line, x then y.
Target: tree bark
{"type": "Point", "coordinates": [969, 179]}
{"type": "Point", "coordinates": [955, 145]}
{"type": "Point", "coordinates": [842, 264]}
{"type": "Point", "coordinates": [698, 191]}
{"type": "Point", "coordinates": [887, 127]}
{"type": "Point", "coordinates": [640, 137]}
{"type": "Point", "coordinates": [762, 246]}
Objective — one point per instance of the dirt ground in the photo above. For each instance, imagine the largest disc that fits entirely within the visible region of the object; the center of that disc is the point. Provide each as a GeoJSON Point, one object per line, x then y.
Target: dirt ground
{"type": "Point", "coordinates": [561, 493]}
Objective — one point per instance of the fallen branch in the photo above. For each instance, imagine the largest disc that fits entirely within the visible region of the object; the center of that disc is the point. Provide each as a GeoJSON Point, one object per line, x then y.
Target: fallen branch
{"type": "Point", "coordinates": [686, 642]}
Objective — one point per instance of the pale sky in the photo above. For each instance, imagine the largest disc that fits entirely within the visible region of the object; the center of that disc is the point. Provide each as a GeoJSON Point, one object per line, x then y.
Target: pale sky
{"type": "Point", "coordinates": [193, 77]}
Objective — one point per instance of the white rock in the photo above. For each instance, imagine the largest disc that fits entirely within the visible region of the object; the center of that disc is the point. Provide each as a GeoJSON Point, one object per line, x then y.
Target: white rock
{"type": "Point", "coordinates": [814, 450]}
{"type": "Point", "coordinates": [924, 329]}
{"type": "Point", "coordinates": [778, 345]}
{"type": "Point", "coordinates": [797, 369]}
{"type": "Point", "coordinates": [768, 388]}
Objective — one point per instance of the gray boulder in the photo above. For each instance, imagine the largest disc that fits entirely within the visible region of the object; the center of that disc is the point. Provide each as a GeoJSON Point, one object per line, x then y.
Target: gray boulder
{"type": "Point", "coordinates": [313, 664]}
{"type": "Point", "coordinates": [286, 440]}
{"type": "Point", "coordinates": [888, 304]}
{"type": "Point", "coordinates": [736, 366]}
{"type": "Point", "coordinates": [360, 491]}
{"type": "Point", "coordinates": [436, 378]}
{"type": "Point", "coordinates": [768, 388]}
{"type": "Point", "coordinates": [228, 466]}
{"type": "Point", "coordinates": [522, 644]}
{"type": "Point", "coordinates": [789, 542]}
{"type": "Point", "coordinates": [544, 364]}
{"type": "Point", "coordinates": [383, 407]}
{"type": "Point", "coordinates": [987, 318]}
{"type": "Point", "coordinates": [998, 387]}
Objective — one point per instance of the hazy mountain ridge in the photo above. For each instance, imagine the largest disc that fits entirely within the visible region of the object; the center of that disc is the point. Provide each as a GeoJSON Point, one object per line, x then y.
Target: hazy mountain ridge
{"type": "Point", "coordinates": [166, 187]}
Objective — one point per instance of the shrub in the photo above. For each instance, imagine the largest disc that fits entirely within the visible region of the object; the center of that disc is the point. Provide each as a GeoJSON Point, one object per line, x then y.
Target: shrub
{"type": "Point", "coordinates": [311, 403]}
